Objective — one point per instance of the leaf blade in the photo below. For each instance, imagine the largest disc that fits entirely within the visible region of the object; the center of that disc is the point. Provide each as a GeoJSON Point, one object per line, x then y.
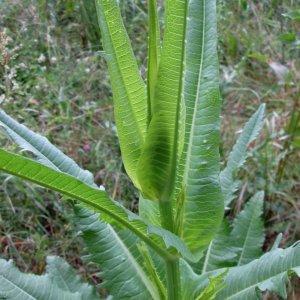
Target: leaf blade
{"type": "Point", "coordinates": [130, 96]}
{"type": "Point", "coordinates": [20, 286]}
{"type": "Point", "coordinates": [248, 230]}
{"type": "Point", "coordinates": [123, 277]}
{"type": "Point", "coordinates": [242, 281]}
{"type": "Point", "coordinates": [238, 154]}
{"type": "Point", "coordinates": [96, 199]}
{"type": "Point", "coordinates": [203, 206]}
{"type": "Point", "coordinates": [157, 165]}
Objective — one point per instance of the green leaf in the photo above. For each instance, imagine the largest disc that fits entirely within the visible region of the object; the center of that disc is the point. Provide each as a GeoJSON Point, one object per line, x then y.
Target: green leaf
{"type": "Point", "coordinates": [239, 154]}
{"type": "Point", "coordinates": [149, 211]}
{"type": "Point", "coordinates": [216, 284]}
{"type": "Point", "coordinates": [130, 94]}
{"type": "Point", "coordinates": [288, 37]}
{"type": "Point", "coordinates": [123, 276]}
{"type": "Point", "coordinates": [64, 276]}
{"type": "Point", "coordinates": [157, 165]}
{"type": "Point", "coordinates": [153, 52]}
{"type": "Point", "coordinates": [87, 222]}
{"type": "Point", "coordinates": [221, 252]}
{"type": "Point", "coordinates": [203, 206]}
{"type": "Point", "coordinates": [191, 283]}
{"type": "Point", "coordinates": [94, 198]}
{"type": "Point", "coordinates": [248, 231]}
{"type": "Point", "coordinates": [16, 285]}
{"type": "Point", "coordinates": [270, 272]}
{"type": "Point", "coordinates": [194, 285]}
{"type": "Point", "coordinates": [242, 244]}
{"type": "Point", "coordinates": [46, 153]}
{"type": "Point", "coordinates": [293, 15]}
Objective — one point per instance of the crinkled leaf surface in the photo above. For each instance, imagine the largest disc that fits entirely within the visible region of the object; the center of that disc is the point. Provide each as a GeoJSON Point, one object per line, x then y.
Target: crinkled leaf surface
{"type": "Point", "coordinates": [221, 253]}
{"type": "Point", "coordinates": [64, 276]}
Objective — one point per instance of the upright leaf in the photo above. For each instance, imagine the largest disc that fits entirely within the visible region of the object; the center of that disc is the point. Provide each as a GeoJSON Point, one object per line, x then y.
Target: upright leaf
{"type": "Point", "coordinates": [203, 206]}
{"type": "Point", "coordinates": [130, 96]}
{"type": "Point", "coordinates": [239, 153]}
{"type": "Point", "coordinates": [153, 52]}
{"type": "Point", "coordinates": [157, 165]}
{"type": "Point", "coordinates": [248, 231]}
{"type": "Point", "coordinates": [270, 272]}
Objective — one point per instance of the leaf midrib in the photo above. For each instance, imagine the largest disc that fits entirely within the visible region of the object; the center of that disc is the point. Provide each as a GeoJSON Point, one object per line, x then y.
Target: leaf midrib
{"type": "Point", "coordinates": [174, 160]}
{"type": "Point", "coordinates": [148, 284]}
{"type": "Point", "coordinates": [196, 102]}
{"type": "Point", "coordinates": [17, 287]}
{"type": "Point", "coordinates": [164, 253]}
{"type": "Point", "coordinates": [254, 285]}
{"type": "Point", "coordinates": [141, 134]}
{"type": "Point", "coordinates": [246, 239]}
{"type": "Point", "coordinates": [197, 95]}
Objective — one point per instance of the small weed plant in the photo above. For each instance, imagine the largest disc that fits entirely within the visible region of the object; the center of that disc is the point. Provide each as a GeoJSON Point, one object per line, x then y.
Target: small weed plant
{"type": "Point", "coordinates": [179, 245]}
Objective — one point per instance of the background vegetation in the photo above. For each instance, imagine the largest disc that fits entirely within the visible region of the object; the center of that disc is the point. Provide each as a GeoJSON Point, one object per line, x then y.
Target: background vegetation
{"type": "Point", "coordinates": [53, 77]}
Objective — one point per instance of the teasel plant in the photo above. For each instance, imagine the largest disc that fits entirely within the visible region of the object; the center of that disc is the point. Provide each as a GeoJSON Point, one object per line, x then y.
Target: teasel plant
{"type": "Point", "coordinates": [179, 245]}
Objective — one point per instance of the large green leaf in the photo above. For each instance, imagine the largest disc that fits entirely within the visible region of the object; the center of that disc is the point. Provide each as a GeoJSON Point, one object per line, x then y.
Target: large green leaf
{"type": "Point", "coordinates": [239, 154]}
{"type": "Point", "coordinates": [248, 231]}
{"type": "Point", "coordinates": [130, 94]}
{"type": "Point", "coordinates": [270, 272]}
{"type": "Point", "coordinates": [203, 206]}
{"type": "Point", "coordinates": [94, 230]}
{"type": "Point", "coordinates": [157, 165]}
{"type": "Point", "coordinates": [160, 240]}
{"type": "Point", "coordinates": [16, 285]}
{"type": "Point", "coordinates": [121, 271]}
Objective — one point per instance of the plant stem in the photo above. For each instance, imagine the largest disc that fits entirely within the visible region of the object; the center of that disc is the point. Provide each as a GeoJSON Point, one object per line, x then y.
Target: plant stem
{"type": "Point", "coordinates": [173, 279]}
{"type": "Point", "coordinates": [172, 266]}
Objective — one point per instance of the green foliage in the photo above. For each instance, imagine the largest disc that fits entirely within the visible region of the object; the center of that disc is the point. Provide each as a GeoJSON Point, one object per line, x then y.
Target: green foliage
{"type": "Point", "coordinates": [239, 245]}
{"type": "Point", "coordinates": [59, 281]}
{"type": "Point", "coordinates": [130, 97]}
{"type": "Point", "coordinates": [270, 272]}
{"type": "Point", "coordinates": [216, 284]}
{"type": "Point", "coordinates": [239, 154]}
{"type": "Point", "coordinates": [247, 234]}
{"type": "Point", "coordinates": [169, 133]}
{"type": "Point", "coordinates": [118, 256]}
{"type": "Point", "coordinates": [203, 202]}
